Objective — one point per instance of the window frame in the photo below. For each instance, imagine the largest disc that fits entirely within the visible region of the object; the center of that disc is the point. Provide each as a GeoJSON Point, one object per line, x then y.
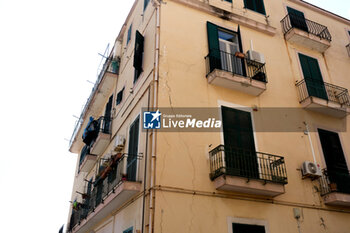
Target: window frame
{"type": "Point", "coordinates": [214, 44]}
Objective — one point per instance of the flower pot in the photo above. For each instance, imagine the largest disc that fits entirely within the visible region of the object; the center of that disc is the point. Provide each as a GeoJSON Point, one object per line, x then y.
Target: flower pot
{"type": "Point", "coordinates": [333, 187]}
{"type": "Point", "coordinates": [240, 55]}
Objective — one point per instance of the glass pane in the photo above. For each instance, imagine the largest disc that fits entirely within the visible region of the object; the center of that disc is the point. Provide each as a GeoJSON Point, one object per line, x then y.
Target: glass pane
{"type": "Point", "coordinates": [228, 37]}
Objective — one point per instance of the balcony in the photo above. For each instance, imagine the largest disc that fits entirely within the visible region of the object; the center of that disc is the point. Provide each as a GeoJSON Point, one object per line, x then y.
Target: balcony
{"type": "Point", "coordinates": [335, 188]}
{"type": "Point", "coordinates": [241, 171]}
{"type": "Point", "coordinates": [87, 160]}
{"type": "Point", "coordinates": [305, 32]}
{"type": "Point", "coordinates": [97, 134]}
{"type": "Point", "coordinates": [348, 49]}
{"type": "Point", "coordinates": [115, 184]}
{"type": "Point", "coordinates": [236, 73]}
{"type": "Point", "coordinates": [324, 98]}
{"type": "Point", "coordinates": [95, 103]}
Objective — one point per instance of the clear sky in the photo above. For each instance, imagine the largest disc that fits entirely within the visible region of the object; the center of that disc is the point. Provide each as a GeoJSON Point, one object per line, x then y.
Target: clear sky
{"type": "Point", "coordinates": [48, 51]}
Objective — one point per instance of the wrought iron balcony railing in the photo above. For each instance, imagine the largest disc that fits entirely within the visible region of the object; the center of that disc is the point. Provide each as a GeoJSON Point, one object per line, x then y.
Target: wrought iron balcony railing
{"type": "Point", "coordinates": [348, 49]}
{"type": "Point", "coordinates": [239, 162]}
{"type": "Point", "coordinates": [332, 181]}
{"type": "Point", "coordinates": [323, 90]}
{"type": "Point", "coordinates": [110, 177]}
{"type": "Point", "coordinates": [291, 21]}
{"type": "Point", "coordinates": [218, 59]}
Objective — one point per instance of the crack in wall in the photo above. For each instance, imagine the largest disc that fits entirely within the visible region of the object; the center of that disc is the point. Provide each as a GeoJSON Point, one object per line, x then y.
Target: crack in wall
{"type": "Point", "coordinates": [192, 162]}
{"type": "Point", "coordinates": [192, 214]}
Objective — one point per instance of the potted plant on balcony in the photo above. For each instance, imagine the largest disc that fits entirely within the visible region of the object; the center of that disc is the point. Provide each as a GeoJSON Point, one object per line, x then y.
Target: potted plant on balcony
{"type": "Point", "coordinates": [76, 205]}
{"type": "Point", "coordinates": [115, 158]}
{"type": "Point", "coordinates": [124, 177]}
{"type": "Point", "coordinates": [240, 55]}
{"type": "Point", "coordinates": [333, 187]}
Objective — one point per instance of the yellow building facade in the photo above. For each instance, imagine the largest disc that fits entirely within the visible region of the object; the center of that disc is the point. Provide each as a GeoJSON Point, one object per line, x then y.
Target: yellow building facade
{"type": "Point", "coordinates": [275, 76]}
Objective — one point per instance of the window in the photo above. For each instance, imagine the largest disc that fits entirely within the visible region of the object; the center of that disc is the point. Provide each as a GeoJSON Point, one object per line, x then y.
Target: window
{"type": "Point", "coordinates": [145, 4]}
{"type": "Point", "coordinates": [223, 44]}
{"type": "Point", "coordinates": [129, 35]}
{"type": "Point", "coordinates": [138, 55]}
{"type": "Point", "coordinates": [255, 5]}
{"type": "Point", "coordinates": [120, 96]}
{"type": "Point", "coordinates": [313, 77]}
{"type": "Point", "coordinates": [107, 117]}
{"type": "Point", "coordinates": [245, 228]}
{"type": "Point", "coordinates": [129, 230]}
{"type": "Point", "coordinates": [228, 43]}
{"type": "Point", "coordinates": [133, 150]}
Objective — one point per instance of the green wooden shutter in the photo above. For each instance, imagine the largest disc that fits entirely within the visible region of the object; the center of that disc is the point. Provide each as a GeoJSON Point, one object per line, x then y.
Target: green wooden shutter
{"type": "Point", "coordinates": [297, 19]}
{"type": "Point", "coordinates": [133, 150]}
{"type": "Point", "coordinates": [240, 154]}
{"type": "Point", "coordinates": [249, 4]}
{"type": "Point", "coordinates": [313, 77]}
{"type": "Point", "coordinates": [214, 49]}
{"type": "Point", "coordinates": [241, 49]}
{"type": "Point", "coordinates": [260, 7]}
{"type": "Point", "coordinates": [335, 160]}
{"type": "Point", "coordinates": [255, 5]}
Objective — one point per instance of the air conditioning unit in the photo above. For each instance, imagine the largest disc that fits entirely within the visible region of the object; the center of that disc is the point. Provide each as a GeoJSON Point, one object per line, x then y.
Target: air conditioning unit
{"type": "Point", "coordinates": [256, 56]}
{"type": "Point", "coordinates": [119, 142]}
{"type": "Point", "coordinates": [310, 169]}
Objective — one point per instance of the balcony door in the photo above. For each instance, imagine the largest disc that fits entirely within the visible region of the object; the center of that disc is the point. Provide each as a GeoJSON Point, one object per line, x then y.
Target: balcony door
{"type": "Point", "coordinates": [337, 168]}
{"type": "Point", "coordinates": [229, 45]}
{"type": "Point", "coordinates": [313, 77]}
{"type": "Point", "coordinates": [240, 154]}
{"type": "Point", "coordinates": [297, 19]}
{"type": "Point", "coordinates": [133, 150]}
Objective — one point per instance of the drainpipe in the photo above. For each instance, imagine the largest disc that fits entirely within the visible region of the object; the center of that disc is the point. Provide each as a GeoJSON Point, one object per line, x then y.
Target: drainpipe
{"type": "Point", "coordinates": [310, 141]}
{"type": "Point", "coordinates": [145, 171]}
{"type": "Point", "coordinates": [155, 104]}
